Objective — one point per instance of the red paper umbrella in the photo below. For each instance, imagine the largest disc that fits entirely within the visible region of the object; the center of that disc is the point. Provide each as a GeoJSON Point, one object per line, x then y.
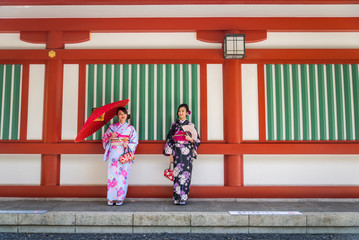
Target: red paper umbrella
{"type": "Point", "coordinates": [98, 118]}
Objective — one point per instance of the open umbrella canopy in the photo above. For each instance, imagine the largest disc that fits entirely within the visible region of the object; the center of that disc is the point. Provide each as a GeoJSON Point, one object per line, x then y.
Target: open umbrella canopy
{"type": "Point", "coordinates": [98, 118]}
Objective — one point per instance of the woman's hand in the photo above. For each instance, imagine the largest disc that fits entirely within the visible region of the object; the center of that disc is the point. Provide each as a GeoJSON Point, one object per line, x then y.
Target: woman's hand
{"type": "Point", "coordinates": [188, 138]}
{"type": "Point", "coordinates": [113, 135]}
{"type": "Point", "coordinates": [124, 144]}
{"type": "Point", "coordinates": [171, 158]}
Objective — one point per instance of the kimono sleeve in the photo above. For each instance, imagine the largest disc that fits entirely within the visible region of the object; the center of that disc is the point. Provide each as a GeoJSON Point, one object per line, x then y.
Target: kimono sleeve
{"type": "Point", "coordinates": [169, 145]}
{"type": "Point", "coordinates": [106, 136]}
{"type": "Point", "coordinates": [133, 141]}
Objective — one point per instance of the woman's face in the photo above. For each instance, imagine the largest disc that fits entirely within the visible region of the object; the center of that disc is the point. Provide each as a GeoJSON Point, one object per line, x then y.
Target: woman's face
{"type": "Point", "coordinates": [122, 116]}
{"type": "Point", "coordinates": [182, 113]}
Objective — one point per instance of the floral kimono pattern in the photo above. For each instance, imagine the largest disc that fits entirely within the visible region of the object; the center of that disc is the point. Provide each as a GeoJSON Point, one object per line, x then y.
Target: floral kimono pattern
{"type": "Point", "coordinates": [118, 174]}
{"type": "Point", "coordinates": [183, 154]}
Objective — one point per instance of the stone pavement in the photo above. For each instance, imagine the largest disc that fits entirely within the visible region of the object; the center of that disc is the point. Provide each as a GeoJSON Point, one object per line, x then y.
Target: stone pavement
{"type": "Point", "coordinates": [197, 216]}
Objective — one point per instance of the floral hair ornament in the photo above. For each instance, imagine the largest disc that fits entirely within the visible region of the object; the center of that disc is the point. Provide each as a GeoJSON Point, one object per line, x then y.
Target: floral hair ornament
{"type": "Point", "coordinates": [189, 112]}
{"type": "Point", "coordinates": [128, 112]}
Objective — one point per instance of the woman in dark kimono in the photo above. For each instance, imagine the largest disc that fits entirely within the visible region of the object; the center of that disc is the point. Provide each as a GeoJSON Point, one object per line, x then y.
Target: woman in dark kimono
{"type": "Point", "coordinates": [182, 150]}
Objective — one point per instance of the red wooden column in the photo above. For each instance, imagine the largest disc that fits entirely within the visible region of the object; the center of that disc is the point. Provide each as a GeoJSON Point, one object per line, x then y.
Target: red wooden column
{"type": "Point", "coordinates": [51, 163]}
{"type": "Point", "coordinates": [232, 120]}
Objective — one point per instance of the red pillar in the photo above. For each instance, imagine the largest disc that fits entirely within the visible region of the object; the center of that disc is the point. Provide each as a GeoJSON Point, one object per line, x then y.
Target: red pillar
{"type": "Point", "coordinates": [50, 163]}
{"type": "Point", "coordinates": [232, 120]}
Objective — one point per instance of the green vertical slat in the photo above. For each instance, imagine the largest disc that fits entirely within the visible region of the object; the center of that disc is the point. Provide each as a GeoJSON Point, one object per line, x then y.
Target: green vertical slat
{"type": "Point", "coordinates": [125, 80]}
{"type": "Point", "coordinates": [90, 91]}
{"type": "Point", "coordinates": [340, 103]}
{"type": "Point", "coordinates": [7, 102]}
{"type": "Point", "coordinates": [99, 95]}
{"type": "Point", "coordinates": [151, 101]}
{"type": "Point", "coordinates": [270, 102]}
{"type": "Point", "coordinates": [108, 81]}
{"type": "Point", "coordinates": [1, 91]}
{"type": "Point", "coordinates": [16, 103]}
{"type": "Point", "coordinates": [142, 114]}
{"type": "Point", "coordinates": [330, 100]}
{"type": "Point", "coordinates": [322, 108]}
{"type": "Point", "coordinates": [305, 103]}
{"type": "Point", "coordinates": [159, 102]}
{"type": "Point", "coordinates": [279, 100]}
{"type": "Point", "coordinates": [287, 103]}
{"type": "Point", "coordinates": [116, 82]}
{"type": "Point", "coordinates": [348, 103]}
{"type": "Point", "coordinates": [185, 75]}
{"type": "Point", "coordinates": [168, 95]}
{"type": "Point", "coordinates": [355, 78]}
{"type": "Point", "coordinates": [296, 102]}
{"type": "Point", "coordinates": [116, 86]}
{"type": "Point", "coordinates": [133, 100]}
{"type": "Point", "coordinates": [177, 85]}
{"type": "Point", "coordinates": [195, 108]}
{"type": "Point", "coordinates": [313, 102]}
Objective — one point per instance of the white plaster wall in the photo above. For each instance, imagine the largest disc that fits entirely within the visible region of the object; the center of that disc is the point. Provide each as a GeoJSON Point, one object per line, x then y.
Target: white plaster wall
{"type": "Point", "coordinates": [189, 10]}
{"type": "Point", "coordinates": [301, 170]}
{"type": "Point", "coordinates": [83, 169]}
{"type": "Point", "coordinates": [308, 40]}
{"type": "Point", "coordinates": [70, 101]}
{"type": "Point", "coordinates": [144, 41]}
{"type": "Point", "coordinates": [12, 41]}
{"type": "Point", "coordinates": [36, 101]}
{"type": "Point", "coordinates": [20, 169]}
{"type": "Point", "coordinates": [250, 102]}
{"type": "Point", "coordinates": [147, 170]}
{"type": "Point", "coordinates": [215, 101]}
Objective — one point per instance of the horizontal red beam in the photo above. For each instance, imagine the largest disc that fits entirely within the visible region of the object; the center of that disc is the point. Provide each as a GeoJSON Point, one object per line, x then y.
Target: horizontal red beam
{"type": "Point", "coordinates": [271, 24]}
{"type": "Point", "coordinates": [351, 147]}
{"type": "Point", "coordinates": [167, 2]}
{"type": "Point", "coordinates": [196, 191]}
{"type": "Point", "coordinates": [180, 55]}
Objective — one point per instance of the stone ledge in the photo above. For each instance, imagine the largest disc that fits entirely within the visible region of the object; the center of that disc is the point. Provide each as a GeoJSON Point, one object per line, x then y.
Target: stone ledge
{"type": "Point", "coordinates": [333, 219]}
{"type": "Point", "coordinates": [104, 219]}
{"type": "Point", "coordinates": [218, 219]}
{"type": "Point", "coordinates": [162, 219]}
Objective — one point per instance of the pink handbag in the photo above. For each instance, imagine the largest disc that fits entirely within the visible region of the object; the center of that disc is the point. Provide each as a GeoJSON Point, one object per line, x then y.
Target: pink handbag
{"type": "Point", "coordinates": [127, 156]}
{"type": "Point", "coordinates": [168, 173]}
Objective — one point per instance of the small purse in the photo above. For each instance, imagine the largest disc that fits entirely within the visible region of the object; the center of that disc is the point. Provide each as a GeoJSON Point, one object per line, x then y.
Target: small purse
{"type": "Point", "coordinates": [168, 173]}
{"type": "Point", "coordinates": [127, 156]}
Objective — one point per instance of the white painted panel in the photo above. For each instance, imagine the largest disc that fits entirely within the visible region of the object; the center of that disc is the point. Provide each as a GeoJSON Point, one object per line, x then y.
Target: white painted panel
{"type": "Point", "coordinates": [301, 170]}
{"type": "Point", "coordinates": [144, 41]}
{"type": "Point", "coordinates": [70, 101]}
{"type": "Point", "coordinates": [36, 101]}
{"type": "Point", "coordinates": [215, 101]}
{"type": "Point", "coordinates": [250, 102]}
{"type": "Point", "coordinates": [12, 41]}
{"type": "Point", "coordinates": [78, 169]}
{"type": "Point", "coordinates": [147, 170]}
{"type": "Point", "coordinates": [208, 170]}
{"type": "Point", "coordinates": [20, 169]}
{"type": "Point", "coordinates": [310, 40]}
{"type": "Point", "coordinates": [192, 10]}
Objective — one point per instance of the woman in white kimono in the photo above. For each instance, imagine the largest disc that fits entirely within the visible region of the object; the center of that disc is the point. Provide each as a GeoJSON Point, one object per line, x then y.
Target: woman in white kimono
{"type": "Point", "coordinates": [116, 139]}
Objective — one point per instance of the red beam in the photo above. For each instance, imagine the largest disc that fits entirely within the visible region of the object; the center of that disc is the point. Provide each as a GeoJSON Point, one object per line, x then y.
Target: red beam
{"type": "Point", "coordinates": [180, 55]}
{"type": "Point", "coordinates": [156, 147]}
{"type": "Point", "coordinates": [196, 191]}
{"type": "Point", "coordinates": [271, 24]}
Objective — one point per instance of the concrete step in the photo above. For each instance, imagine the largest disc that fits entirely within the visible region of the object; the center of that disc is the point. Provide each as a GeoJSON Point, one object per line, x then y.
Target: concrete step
{"type": "Point", "coordinates": [143, 216]}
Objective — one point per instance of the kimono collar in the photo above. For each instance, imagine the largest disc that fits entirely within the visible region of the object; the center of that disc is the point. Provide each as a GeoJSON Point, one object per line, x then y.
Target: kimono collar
{"type": "Point", "coordinates": [182, 122]}
{"type": "Point", "coordinates": [121, 125]}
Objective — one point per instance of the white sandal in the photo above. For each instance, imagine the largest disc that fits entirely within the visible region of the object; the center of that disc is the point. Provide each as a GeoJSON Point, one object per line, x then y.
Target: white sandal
{"type": "Point", "coordinates": [119, 203]}
{"type": "Point", "coordinates": [110, 203]}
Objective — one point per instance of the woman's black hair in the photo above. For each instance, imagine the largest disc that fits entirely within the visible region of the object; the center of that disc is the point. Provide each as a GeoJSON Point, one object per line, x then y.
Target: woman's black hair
{"type": "Point", "coordinates": [183, 105]}
{"type": "Point", "coordinates": [124, 110]}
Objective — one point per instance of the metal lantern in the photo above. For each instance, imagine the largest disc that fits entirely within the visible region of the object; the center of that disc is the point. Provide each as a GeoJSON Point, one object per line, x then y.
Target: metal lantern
{"type": "Point", "coordinates": [234, 46]}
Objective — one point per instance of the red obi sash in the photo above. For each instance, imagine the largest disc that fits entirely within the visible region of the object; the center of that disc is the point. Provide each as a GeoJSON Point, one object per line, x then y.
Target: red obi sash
{"type": "Point", "coordinates": [179, 136]}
